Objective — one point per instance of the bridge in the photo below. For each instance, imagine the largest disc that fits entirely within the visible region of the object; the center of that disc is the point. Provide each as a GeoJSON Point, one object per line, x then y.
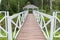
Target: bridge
{"type": "Point", "coordinates": [29, 26]}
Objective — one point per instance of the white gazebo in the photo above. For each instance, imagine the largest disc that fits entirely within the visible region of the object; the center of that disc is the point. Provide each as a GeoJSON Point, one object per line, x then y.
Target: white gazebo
{"type": "Point", "coordinates": [30, 6]}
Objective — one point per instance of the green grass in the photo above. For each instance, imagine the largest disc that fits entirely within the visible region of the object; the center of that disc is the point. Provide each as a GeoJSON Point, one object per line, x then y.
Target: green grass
{"type": "Point", "coordinates": [56, 39]}
{"type": "Point", "coordinates": [4, 38]}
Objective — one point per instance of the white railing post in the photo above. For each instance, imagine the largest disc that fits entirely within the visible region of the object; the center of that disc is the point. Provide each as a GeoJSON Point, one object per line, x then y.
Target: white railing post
{"type": "Point", "coordinates": [0, 30]}
{"type": "Point", "coordinates": [9, 29]}
{"type": "Point", "coordinates": [41, 23]}
{"type": "Point", "coordinates": [6, 23]}
{"type": "Point", "coordinates": [55, 15]}
{"type": "Point", "coordinates": [52, 28]}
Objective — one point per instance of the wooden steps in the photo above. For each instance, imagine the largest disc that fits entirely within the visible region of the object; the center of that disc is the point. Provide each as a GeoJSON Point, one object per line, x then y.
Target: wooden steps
{"type": "Point", "coordinates": [30, 30]}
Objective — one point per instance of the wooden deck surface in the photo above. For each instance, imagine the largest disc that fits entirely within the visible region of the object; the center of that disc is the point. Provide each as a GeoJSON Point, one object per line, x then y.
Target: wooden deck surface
{"type": "Point", "coordinates": [30, 30]}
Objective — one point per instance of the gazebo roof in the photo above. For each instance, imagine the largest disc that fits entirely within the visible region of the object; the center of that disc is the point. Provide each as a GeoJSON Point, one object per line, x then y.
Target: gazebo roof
{"type": "Point", "coordinates": [30, 6]}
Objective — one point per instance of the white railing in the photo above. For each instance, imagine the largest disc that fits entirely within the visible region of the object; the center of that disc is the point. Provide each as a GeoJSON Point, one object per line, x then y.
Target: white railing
{"type": "Point", "coordinates": [44, 24]}
{"type": "Point", "coordinates": [18, 20]}
{"type": "Point", "coordinates": [56, 28]}
{"type": "Point", "coordinates": [12, 24]}
{"type": "Point", "coordinates": [3, 23]}
{"type": "Point", "coordinates": [52, 23]}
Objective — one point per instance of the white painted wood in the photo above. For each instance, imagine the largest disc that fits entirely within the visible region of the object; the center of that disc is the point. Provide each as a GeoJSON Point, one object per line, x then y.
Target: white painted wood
{"type": "Point", "coordinates": [9, 28]}
{"type": "Point", "coordinates": [55, 23]}
{"type": "Point", "coordinates": [40, 18]}
{"type": "Point", "coordinates": [43, 14]}
{"type": "Point", "coordinates": [50, 21]}
{"type": "Point", "coordinates": [52, 28]}
{"type": "Point", "coordinates": [1, 28]}
{"type": "Point", "coordinates": [21, 19]}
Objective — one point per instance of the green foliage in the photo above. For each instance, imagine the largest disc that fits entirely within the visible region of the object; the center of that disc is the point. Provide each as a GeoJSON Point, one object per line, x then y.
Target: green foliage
{"type": "Point", "coordinates": [12, 5]}
{"type": "Point", "coordinates": [3, 39]}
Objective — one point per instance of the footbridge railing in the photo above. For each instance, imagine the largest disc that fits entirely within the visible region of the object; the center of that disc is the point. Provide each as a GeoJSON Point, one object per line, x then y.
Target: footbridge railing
{"type": "Point", "coordinates": [4, 23]}
{"type": "Point", "coordinates": [11, 25]}
{"type": "Point", "coordinates": [56, 15]}
{"type": "Point", "coordinates": [41, 19]}
{"type": "Point", "coordinates": [46, 23]}
{"type": "Point", "coordinates": [17, 21]}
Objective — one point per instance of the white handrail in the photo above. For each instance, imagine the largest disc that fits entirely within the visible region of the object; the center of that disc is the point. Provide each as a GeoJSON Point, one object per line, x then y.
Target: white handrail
{"type": "Point", "coordinates": [9, 21]}
{"type": "Point", "coordinates": [1, 20]}
{"type": "Point", "coordinates": [42, 21]}
{"type": "Point", "coordinates": [43, 14]}
{"type": "Point", "coordinates": [52, 19]}
{"type": "Point", "coordinates": [20, 21]}
{"type": "Point", "coordinates": [56, 19]}
{"type": "Point", "coordinates": [15, 15]}
{"type": "Point", "coordinates": [21, 17]}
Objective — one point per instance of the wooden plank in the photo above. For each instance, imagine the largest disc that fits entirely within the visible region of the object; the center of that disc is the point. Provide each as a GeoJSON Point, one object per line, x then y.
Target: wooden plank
{"type": "Point", "coordinates": [30, 30]}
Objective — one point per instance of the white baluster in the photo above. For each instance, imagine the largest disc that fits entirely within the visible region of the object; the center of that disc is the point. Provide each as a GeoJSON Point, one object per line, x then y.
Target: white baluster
{"type": "Point", "coordinates": [52, 28]}
{"type": "Point", "coordinates": [9, 28]}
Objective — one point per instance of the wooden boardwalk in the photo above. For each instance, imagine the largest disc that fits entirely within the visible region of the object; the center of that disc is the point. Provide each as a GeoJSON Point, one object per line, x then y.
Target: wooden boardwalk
{"type": "Point", "coordinates": [30, 30]}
